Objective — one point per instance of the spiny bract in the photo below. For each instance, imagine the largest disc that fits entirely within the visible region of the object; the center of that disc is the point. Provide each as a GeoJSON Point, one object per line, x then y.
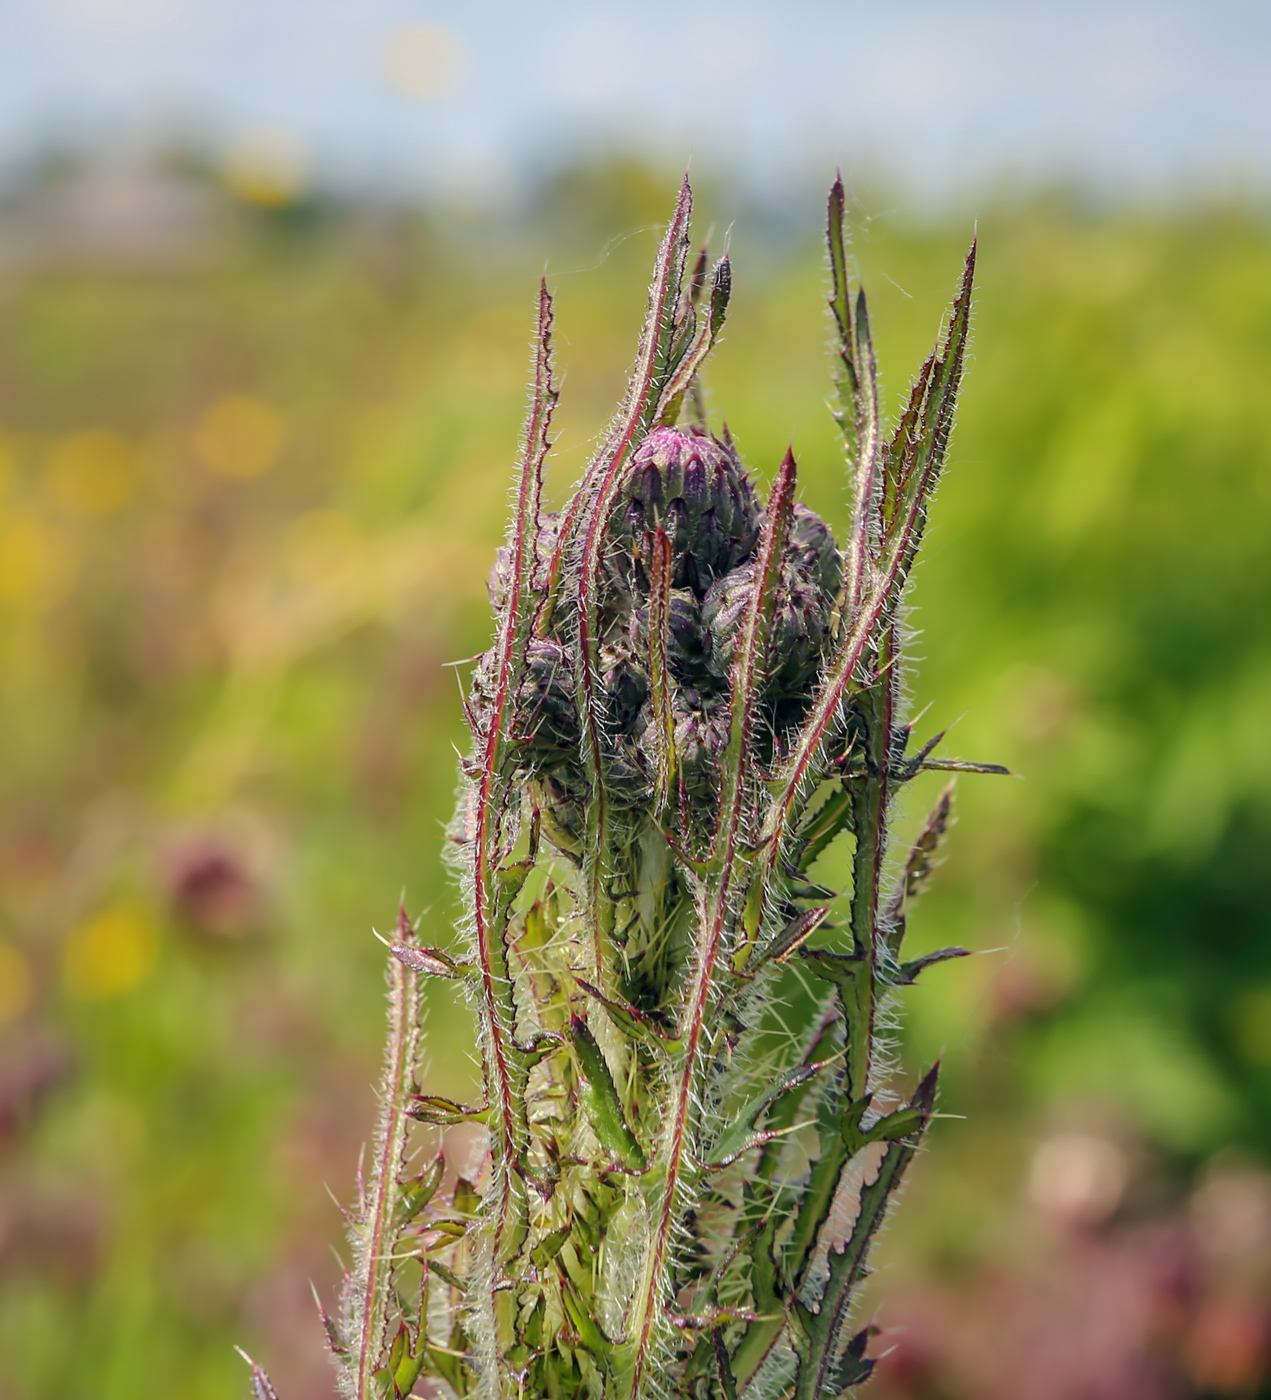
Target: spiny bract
{"type": "Point", "coordinates": [691, 693]}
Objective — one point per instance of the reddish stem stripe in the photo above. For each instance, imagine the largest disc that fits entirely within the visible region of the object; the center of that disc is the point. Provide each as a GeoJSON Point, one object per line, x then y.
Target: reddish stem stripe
{"type": "Point", "coordinates": [403, 1039]}
{"type": "Point", "coordinates": [668, 269]}
{"type": "Point", "coordinates": [747, 675]}
{"type": "Point", "coordinates": [491, 797]}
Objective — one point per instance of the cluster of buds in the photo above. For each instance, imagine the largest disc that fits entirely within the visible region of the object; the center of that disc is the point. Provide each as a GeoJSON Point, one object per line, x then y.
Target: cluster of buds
{"type": "Point", "coordinates": [690, 695]}
{"type": "Point", "coordinates": [676, 575]}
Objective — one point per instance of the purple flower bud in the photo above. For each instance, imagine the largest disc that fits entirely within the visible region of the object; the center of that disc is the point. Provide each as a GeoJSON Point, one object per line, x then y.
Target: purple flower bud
{"type": "Point", "coordinates": [701, 737]}
{"type": "Point", "coordinates": [626, 687]}
{"type": "Point", "coordinates": [685, 642]}
{"type": "Point", "coordinates": [693, 486]}
{"type": "Point", "coordinates": [546, 718]}
{"type": "Point", "coordinates": [813, 549]}
{"type": "Point", "coordinates": [811, 572]}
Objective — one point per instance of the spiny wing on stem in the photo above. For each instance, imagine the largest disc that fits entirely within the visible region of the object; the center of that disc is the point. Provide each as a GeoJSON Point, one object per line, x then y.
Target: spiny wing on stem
{"type": "Point", "coordinates": [368, 1296]}
{"type": "Point", "coordinates": [747, 676]}
{"type": "Point", "coordinates": [492, 896]}
{"type": "Point", "coordinates": [815, 1333]}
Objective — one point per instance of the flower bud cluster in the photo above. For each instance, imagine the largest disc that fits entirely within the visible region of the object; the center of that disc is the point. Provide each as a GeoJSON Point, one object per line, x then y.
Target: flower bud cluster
{"type": "Point", "coordinates": [689, 485]}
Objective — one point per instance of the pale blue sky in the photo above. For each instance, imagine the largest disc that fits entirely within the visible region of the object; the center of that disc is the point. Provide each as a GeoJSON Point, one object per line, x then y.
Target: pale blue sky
{"type": "Point", "coordinates": [1123, 92]}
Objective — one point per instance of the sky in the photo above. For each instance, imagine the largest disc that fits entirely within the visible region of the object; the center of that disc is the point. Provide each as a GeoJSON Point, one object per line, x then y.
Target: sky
{"type": "Point", "coordinates": [1139, 94]}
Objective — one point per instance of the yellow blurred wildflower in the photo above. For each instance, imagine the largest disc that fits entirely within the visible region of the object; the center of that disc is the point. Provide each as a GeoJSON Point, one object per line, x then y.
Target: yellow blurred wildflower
{"type": "Point", "coordinates": [17, 985]}
{"type": "Point", "coordinates": [36, 565]}
{"type": "Point", "coordinates": [110, 953]}
{"type": "Point", "coordinates": [92, 473]}
{"type": "Point", "coordinates": [238, 437]}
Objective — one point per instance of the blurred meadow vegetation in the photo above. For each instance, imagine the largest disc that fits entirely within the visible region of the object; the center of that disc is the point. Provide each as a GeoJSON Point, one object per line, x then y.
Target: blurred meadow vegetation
{"type": "Point", "coordinates": [253, 469]}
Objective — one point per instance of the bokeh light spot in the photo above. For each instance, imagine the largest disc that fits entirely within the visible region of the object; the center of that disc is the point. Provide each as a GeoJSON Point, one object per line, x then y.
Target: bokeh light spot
{"type": "Point", "coordinates": [92, 473]}
{"type": "Point", "coordinates": [238, 437]}
{"type": "Point", "coordinates": [1078, 1177]}
{"type": "Point", "coordinates": [1251, 1022]}
{"type": "Point", "coordinates": [266, 167]}
{"type": "Point", "coordinates": [35, 564]}
{"type": "Point", "coordinates": [424, 62]}
{"type": "Point", "coordinates": [17, 985]}
{"type": "Point", "coordinates": [109, 954]}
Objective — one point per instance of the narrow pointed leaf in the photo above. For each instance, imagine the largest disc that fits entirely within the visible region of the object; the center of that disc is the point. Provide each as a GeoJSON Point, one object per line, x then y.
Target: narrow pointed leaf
{"type": "Point", "coordinates": [604, 1106]}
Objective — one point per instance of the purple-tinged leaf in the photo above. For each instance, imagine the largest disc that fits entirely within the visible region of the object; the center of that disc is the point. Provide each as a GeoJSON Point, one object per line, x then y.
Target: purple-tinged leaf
{"type": "Point", "coordinates": [723, 1366]}
{"type": "Point", "coordinates": [746, 677]}
{"type": "Point", "coordinates": [679, 384]}
{"type": "Point", "coordinates": [924, 456]}
{"type": "Point", "coordinates": [795, 934]}
{"type": "Point", "coordinates": [962, 765]}
{"type": "Point", "coordinates": [261, 1388]}
{"type": "Point", "coordinates": [431, 961]}
{"type": "Point", "coordinates": [630, 1020]}
{"type": "Point", "coordinates": [741, 1134]}
{"type": "Point", "coordinates": [490, 902]}
{"type": "Point", "coordinates": [919, 865]}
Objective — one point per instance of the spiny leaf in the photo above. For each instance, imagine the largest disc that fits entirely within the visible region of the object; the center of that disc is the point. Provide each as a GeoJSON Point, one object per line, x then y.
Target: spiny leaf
{"type": "Point", "coordinates": [420, 1190]}
{"type": "Point", "coordinates": [723, 1365]}
{"type": "Point", "coordinates": [598, 496]}
{"type": "Point", "coordinates": [816, 1331]}
{"type": "Point", "coordinates": [910, 970]}
{"type": "Point", "coordinates": [668, 408]}
{"type": "Point", "coordinates": [659, 667]}
{"type": "Point", "coordinates": [740, 1135]}
{"type": "Point", "coordinates": [795, 934]}
{"type": "Point", "coordinates": [962, 765]}
{"type": "Point", "coordinates": [447, 1275]}
{"type": "Point", "coordinates": [430, 961]}
{"type": "Point", "coordinates": [855, 1368]}
{"type": "Point", "coordinates": [261, 1388]}
{"type": "Point", "coordinates": [467, 1199]}
{"type": "Point", "coordinates": [831, 819]}
{"type": "Point", "coordinates": [918, 867]}
{"type": "Point", "coordinates": [601, 1097]}
{"type": "Point", "coordinates": [585, 1325]}
{"type": "Point", "coordinates": [443, 1112]}
{"type": "Point", "coordinates": [637, 1024]}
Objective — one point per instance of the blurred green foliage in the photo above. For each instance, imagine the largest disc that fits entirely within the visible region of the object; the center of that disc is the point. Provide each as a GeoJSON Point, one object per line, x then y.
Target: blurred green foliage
{"type": "Point", "coordinates": [249, 494]}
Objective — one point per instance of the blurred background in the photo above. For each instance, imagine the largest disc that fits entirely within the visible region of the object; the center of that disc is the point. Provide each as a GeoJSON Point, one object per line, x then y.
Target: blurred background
{"type": "Point", "coordinates": [266, 282]}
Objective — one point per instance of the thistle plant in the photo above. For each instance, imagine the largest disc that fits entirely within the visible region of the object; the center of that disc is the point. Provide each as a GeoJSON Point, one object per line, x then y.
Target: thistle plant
{"type": "Point", "coordinates": [691, 694]}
